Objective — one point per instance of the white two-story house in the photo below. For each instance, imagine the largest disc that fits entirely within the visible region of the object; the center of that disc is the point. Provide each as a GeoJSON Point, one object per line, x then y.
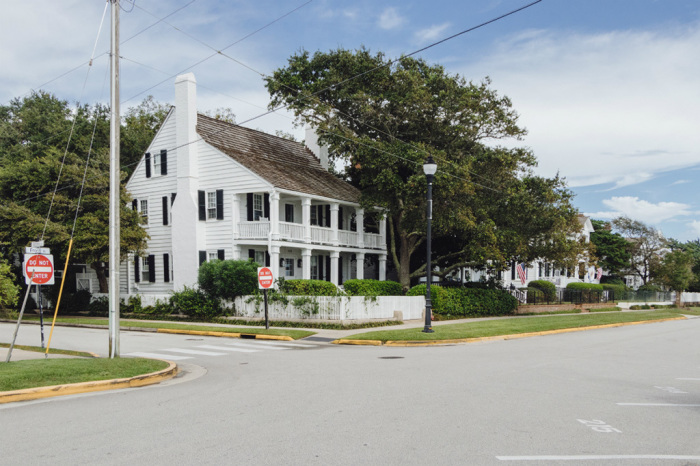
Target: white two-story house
{"type": "Point", "coordinates": [211, 190]}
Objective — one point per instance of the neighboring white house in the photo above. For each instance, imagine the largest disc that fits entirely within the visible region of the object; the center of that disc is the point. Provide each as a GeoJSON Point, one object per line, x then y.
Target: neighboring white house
{"type": "Point", "coordinates": [543, 270]}
{"type": "Point", "coordinates": [210, 190]}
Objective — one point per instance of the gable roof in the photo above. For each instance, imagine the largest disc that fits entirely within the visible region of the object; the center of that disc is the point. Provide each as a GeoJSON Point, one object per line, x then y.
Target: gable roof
{"type": "Point", "coordinates": [283, 163]}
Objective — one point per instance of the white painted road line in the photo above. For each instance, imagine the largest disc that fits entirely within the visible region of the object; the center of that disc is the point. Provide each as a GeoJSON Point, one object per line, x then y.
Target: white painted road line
{"type": "Point", "coordinates": [158, 356]}
{"type": "Point", "coordinates": [685, 378]}
{"type": "Point", "coordinates": [224, 348]}
{"type": "Point", "coordinates": [191, 351]}
{"type": "Point", "coordinates": [660, 404]}
{"type": "Point", "coordinates": [256, 346]}
{"type": "Point", "coordinates": [282, 343]}
{"type": "Point", "coordinates": [597, 457]}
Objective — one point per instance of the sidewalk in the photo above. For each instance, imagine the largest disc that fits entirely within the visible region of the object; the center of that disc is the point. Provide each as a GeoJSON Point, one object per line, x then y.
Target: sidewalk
{"type": "Point", "coordinates": [22, 355]}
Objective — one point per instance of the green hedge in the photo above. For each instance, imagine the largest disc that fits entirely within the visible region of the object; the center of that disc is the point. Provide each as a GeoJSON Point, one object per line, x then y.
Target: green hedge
{"type": "Point", "coordinates": [300, 287]}
{"type": "Point", "coordinates": [547, 288]}
{"type": "Point", "coordinates": [468, 302]}
{"type": "Point", "coordinates": [584, 286]}
{"type": "Point", "coordinates": [195, 303]}
{"type": "Point", "coordinates": [369, 287]}
{"type": "Point", "coordinates": [619, 291]}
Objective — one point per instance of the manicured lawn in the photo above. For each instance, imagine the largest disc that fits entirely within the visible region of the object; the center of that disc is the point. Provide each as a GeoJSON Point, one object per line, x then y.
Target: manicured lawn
{"type": "Point", "coordinates": [296, 334]}
{"type": "Point", "coordinates": [39, 349]}
{"type": "Point", "coordinates": [512, 326]}
{"type": "Point", "coordinates": [46, 372]}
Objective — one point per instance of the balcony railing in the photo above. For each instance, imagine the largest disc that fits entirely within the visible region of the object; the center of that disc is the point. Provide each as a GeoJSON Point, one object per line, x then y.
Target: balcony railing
{"type": "Point", "coordinates": [348, 238]}
{"type": "Point", "coordinates": [294, 232]}
{"type": "Point", "coordinates": [321, 235]}
{"type": "Point", "coordinates": [373, 240]}
{"type": "Point", "coordinates": [254, 230]}
{"type": "Point", "coordinates": [291, 231]}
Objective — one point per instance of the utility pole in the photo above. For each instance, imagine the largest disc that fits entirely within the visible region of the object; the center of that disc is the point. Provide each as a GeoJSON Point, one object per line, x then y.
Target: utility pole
{"type": "Point", "coordinates": [114, 186]}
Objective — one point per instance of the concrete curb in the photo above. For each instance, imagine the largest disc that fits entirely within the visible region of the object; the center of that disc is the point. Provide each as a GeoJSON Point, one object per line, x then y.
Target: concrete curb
{"type": "Point", "coordinates": [254, 336]}
{"type": "Point", "coordinates": [86, 387]}
{"type": "Point", "coordinates": [343, 341]}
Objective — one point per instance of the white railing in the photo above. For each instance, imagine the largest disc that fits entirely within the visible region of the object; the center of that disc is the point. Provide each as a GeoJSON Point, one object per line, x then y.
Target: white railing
{"type": "Point", "coordinates": [348, 238]}
{"type": "Point", "coordinates": [333, 307]}
{"type": "Point", "coordinates": [373, 240]}
{"type": "Point", "coordinates": [254, 230]}
{"type": "Point", "coordinates": [291, 231]}
{"type": "Point", "coordinates": [321, 235]}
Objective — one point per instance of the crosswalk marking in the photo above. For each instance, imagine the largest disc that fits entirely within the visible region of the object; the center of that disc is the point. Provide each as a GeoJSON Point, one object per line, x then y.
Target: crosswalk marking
{"type": "Point", "coordinates": [158, 356]}
{"type": "Point", "coordinates": [192, 351]}
{"type": "Point", "coordinates": [248, 345]}
{"type": "Point", "coordinates": [223, 348]}
{"type": "Point", "coordinates": [284, 343]}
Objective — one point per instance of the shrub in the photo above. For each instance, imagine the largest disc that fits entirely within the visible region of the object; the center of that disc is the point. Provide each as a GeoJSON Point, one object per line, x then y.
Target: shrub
{"type": "Point", "coordinates": [619, 290]}
{"type": "Point", "coordinates": [536, 296]}
{"type": "Point", "coordinates": [9, 292]}
{"type": "Point", "coordinates": [436, 294]}
{"type": "Point", "coordinates": [548, 288]}
{"type": "Point", "coordinates": [300, 287]}
{"type": "Point", "coordinates": [195, 303]}
{"type": "Point", "coordinates": [368, 287]}
{"type": "Point", "coordinates": [99, 306]}
{"type": "Point", "coordinates": [72, 303]}
{"type": "Point", "coordinates": [468, 302]}
{"type": "Point", "coordinates": [649, 287]}
{"type": "Point", "coordinates": [228, 279]}
{"type": "Point", "coordinates": [584, 286]}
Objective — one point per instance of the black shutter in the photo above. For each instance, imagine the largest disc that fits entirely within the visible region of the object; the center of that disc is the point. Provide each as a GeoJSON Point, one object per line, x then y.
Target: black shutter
{"type": "Point", "coordinates": [202, 257]}
{"type": "Point", "coordinates": [172, 198]}
{"type": "Point", "coordinates": [512, 270]}
{"type": "Point", "coordinates": [249, 204]}
{"type": "Point", "coordinates": [267, 206]}
{"type": "Point", "coordinates": [328, 268]}
{"type": "Point", "coordinates": [220, 254]}
{"type": "Point", "coordinates": [340, 218]}
{"type": "Point", "coordinates": [164, 162]}
{"type": "Point", "coordinates": [202, 205]}
{"type": "Point", "coordinates": [151, 268]}
{"type": "Point", "coordinates": [137, 274]}
{"type": "Point", "coordinates": [165, 210]}
{"type": "Point", "coordinates": [148, 165]}
{"type": "Point", "coordinates": [219, 204]}
{"type": "Point", "coordinates": [251, 254]}
{"type": "Point", "coordinates": [340, 271]}
{"type": "Point", "coordinates": [328, 216]}
{"type": "Point", "coordinates": [267, 259]}
{"type": "Point", "coordinates": [166, 268]}
{"type": "Point", "coordinates": [135, 204]}
{"type": "Point", "coordinates": [320, 267]}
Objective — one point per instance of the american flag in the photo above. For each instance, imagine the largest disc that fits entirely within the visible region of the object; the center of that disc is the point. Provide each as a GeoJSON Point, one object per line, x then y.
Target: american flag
{"type": "Point", "coordinates": [522, 273]}
{"type": "Point", "coordinates": [600, 273]}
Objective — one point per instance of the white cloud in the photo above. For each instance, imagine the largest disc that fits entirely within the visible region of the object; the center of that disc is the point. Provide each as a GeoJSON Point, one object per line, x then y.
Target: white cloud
{"type": "Point", "coordinates": [390, 19]}
{"type": "Point", "coordinates": [680, 182]}
{"type": "Point", "coordinates": [695, 227]}
{"type": "Point", "coordinates": [432, 33]}
{"type": "Point", "coordinates": [644, 211]}
{"type": "Point", "coordinates": [617, 107]}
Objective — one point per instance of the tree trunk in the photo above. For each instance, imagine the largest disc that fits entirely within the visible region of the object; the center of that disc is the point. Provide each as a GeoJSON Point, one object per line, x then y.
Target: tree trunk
{"type": "Point", "coordinates": [404, 262]}
{"type": "Point", "coordinates": [100, 270]}
{"type": "Point", "coordinates": [678, 298]}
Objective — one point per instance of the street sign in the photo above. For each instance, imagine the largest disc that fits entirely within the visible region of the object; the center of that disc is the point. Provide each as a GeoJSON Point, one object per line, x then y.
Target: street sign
{"type": "Point", "coordinates": [41, 265]}
{"type": "Point", "coordinates": [37, 250]}
{"type": "Point", "coordinates": [265, 278]}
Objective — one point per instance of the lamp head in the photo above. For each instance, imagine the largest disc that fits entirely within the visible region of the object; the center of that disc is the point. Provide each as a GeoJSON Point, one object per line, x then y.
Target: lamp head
{"type": "Point", "coordinates": [430, 167]}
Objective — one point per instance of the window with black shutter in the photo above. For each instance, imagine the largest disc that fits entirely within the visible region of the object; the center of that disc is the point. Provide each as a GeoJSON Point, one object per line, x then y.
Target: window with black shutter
{"type": "Point", "coordinates": [512, 270]}
{"type": "Point", "coordinates": [267, 259]}
{"type": "Point", "coordinates": [148, 165]}
{"type": "Point", "coordinates": [219, 204]}
{"type": "Point", "coordinates": [249, 205]}
{"type": "Point", "coordinates": [321, 264]}
{"type": "Point", "coordinates": [166, 219]}
{"type": "Point", "coordinates": [289, 213]}
{"type": "Point", "coordinates": [267, 206]}
{"type": "Point", "coordinates": [164, 162]}
{"type": "Point", "coordinates": [251, 254]}
{"type": "Point", "coordinates": [202, 197]}
{"type": "Point", "coordinates": [172, 198]}
{"type": "Point", "coordinates": [340, 270]}
{"type": "Point", "coordinates": [328, 216]}
{"type": "Point", "coordinates": [137, 273]}
{"type": "Point", "coordinates": [166, 268]}
{"type": "Point", "coordinates": [202, 257]}
{"type": "Point", "coordinates": [151, 268]}
{"type": "Point", "coordinates": [220, 254]}
{"type": "Point", "coordinates": [328, 268]}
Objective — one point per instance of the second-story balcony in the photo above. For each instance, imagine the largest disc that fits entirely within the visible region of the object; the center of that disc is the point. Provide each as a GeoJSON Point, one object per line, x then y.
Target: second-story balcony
{"type": "Point", "coordinates": [294, 232]}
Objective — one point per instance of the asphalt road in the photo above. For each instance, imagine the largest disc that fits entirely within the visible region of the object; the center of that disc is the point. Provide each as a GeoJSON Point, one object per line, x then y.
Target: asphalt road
{"type": "Point", "coordinates": [628, 395]}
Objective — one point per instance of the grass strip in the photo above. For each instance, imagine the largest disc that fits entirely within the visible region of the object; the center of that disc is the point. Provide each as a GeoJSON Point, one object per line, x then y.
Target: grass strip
{"type": "Point", "coordinates": [296, 334]}
{"type": "Point", "coordinates": [513, 326]}
{"type": "Point", "coordinates": [39, 349]}
{"type": "Point", "coordinates": [46, 372]}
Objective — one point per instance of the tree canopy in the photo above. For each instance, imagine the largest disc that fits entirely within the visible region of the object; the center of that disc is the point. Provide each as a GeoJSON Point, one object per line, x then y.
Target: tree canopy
{"type": "Point", "coordinates": [381, 119]}
{"type": "Point", "coordinates": [645, 245]}
{"type": "Point", "coordinates": [611, 248]}
{"type": "Point", "coordinates": [34, 141]}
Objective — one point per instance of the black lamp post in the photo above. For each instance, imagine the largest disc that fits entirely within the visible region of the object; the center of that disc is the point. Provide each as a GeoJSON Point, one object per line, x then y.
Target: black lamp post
{"type": "Point", "coordinates": [429, 168]}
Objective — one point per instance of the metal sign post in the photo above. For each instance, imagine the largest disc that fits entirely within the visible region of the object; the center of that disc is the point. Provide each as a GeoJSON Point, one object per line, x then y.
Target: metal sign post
{"type": "Point", "coordinates": [265, 281]}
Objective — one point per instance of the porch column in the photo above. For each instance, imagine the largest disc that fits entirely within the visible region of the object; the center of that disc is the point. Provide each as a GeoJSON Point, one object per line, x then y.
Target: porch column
{"type": "Point", "coordinates": [334, 267]}
{"type": "Point", "coordinates": [382, 267]}
{"type": "Point", "coordinates": [275, 261]}
{"type": "Point", "coordinates": [334, 223]}
{"type": "Point", "coordinates": [360, 220]}
{"type": "Point", "coordinates": [306, 264]}
{"type": "Point", "coordinates": [382, 232]}
{"type": "Point", "coordinates": [360, 272]}
{"type": "Point", "coordinates": [236, 216]}
{"type": "Point", "coordinates": [275, 215]}
{"type": "Point", "coordinates": [306, 219]}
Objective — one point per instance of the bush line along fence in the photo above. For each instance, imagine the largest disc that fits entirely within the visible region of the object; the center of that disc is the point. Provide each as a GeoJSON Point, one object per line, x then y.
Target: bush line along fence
{"type": "Point", "coordinates": [534, 296]}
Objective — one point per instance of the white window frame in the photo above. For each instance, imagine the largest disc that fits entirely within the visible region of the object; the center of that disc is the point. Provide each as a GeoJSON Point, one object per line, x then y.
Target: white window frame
{"type": "Point", "coordinates": [145, 270]}
{"type": "Point", "coordinates": [211, 204]}
{"type": "Point", "coordinates": [258, 207]}
{"type": "Point", "coordinates": [260, 257]}
{"type": "Point", "coordinates": [288, 267]}
{"type": "Point", "coordinates": [156, 164]}
{"type": "Point", "coordinates": [143, 209]}
{"type": "Point", "coordinates": [212, 256]}
{"type": "Point", "coordinates": [313, 220]}
{"type": "Point", "coordinates": [314, 267]}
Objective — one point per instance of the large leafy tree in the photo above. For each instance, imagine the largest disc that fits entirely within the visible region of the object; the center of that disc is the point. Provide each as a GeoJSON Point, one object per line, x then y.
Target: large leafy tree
{"type": "Point", "coordinates": [645, 245]}
{"type": "Point", "coordinates": [34, 149]}
{"type": "Point", "coordinates": [611, 248]}
{"type": "Point", "coordinates": [692, 248]}
{"type": "Point", "coordinates": [381, 119]}
{"type": "Point", "coordinates": [676, 272]}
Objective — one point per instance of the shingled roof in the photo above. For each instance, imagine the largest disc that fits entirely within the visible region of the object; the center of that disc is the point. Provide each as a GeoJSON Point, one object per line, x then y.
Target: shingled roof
{"type": "Point", "coordinates": [285, 164]}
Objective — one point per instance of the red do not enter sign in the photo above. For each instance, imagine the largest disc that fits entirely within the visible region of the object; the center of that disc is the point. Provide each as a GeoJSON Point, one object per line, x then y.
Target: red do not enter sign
{"type": "Point", "coordinates": [41, 266]}
{"type": "Point", "coordinates": [265, 278]}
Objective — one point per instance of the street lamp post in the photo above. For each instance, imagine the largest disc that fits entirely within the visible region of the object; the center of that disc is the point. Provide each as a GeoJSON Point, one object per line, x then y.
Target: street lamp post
{"type": "Point", "coordinates": [429, 168]}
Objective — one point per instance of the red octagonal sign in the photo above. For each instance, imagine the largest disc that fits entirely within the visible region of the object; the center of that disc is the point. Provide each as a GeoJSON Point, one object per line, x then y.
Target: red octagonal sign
{"type": "Point", "coordinates": [42, 268]}
{"type": "Point", "coordinates": [265, 278]}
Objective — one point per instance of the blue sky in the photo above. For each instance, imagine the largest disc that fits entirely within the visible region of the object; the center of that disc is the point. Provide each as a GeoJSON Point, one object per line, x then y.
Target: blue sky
{"type": "Point", "coordinates": [608, 90]}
